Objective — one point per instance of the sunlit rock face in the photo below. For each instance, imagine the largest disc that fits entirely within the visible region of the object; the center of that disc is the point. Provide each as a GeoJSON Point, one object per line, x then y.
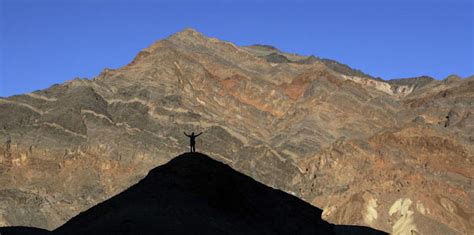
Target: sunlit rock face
{"type": "Point", "coordinates": [394, 155]}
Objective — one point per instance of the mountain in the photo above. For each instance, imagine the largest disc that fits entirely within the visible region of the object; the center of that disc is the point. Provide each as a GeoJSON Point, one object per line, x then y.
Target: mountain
{"type": "Point", "coordinates": [196, 193]}
{"type": "Point", "coordinates": [393, 155]}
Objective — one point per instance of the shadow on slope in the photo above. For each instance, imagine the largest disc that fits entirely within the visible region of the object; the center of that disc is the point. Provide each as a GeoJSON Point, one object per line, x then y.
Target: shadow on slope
{"type": "Point", "coordinates": [196, 194]}
{"type": "Point", "coordinates": [22, 230]}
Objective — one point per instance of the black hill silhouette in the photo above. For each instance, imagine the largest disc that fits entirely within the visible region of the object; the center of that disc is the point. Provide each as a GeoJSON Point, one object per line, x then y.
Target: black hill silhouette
{"type": "Point", "coordinates": [18, 230]}
{"type": "Point", "coordinates": [195, 194]}
{"type": "Point", "coordinates": [192, 141]}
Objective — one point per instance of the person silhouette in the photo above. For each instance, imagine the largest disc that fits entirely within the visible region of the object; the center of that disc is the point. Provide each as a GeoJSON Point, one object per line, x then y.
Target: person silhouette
{"type": "Point", "coordinates": [192, 139]}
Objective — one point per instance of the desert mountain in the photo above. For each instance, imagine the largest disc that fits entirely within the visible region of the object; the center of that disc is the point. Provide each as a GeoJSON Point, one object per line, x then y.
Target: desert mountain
{"type": "Point", "coordinates": [394, 155]}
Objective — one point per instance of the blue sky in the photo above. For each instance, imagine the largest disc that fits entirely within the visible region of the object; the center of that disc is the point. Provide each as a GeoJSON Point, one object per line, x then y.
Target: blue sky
{"type": "Point", "coordinates": [51, 41]}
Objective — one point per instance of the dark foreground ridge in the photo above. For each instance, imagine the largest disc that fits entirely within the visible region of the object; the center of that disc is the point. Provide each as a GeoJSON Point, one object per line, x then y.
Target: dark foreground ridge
{"type": "Point", "coordinates": [196, 194]}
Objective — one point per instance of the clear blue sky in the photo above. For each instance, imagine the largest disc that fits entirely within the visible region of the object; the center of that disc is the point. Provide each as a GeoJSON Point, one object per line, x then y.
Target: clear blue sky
{"type": "Point", "coordinates": [47, 42]}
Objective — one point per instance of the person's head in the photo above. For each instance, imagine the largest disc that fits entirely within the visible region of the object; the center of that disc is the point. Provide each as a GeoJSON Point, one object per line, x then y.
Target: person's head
{"type": "Point", "coordinates": [192, 133]}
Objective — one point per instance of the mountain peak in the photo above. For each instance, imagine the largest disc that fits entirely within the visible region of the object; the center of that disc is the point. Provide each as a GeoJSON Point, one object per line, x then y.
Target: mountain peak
{"type": "Point", "coordinates": [452, 78]}
{"type": "Point", "coordinates": [189, 31]}
{"type": "Point", "coordinates": [188, 34]}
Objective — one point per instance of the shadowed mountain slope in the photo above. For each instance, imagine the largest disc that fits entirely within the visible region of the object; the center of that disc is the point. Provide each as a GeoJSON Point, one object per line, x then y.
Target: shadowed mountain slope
{"type": "Point", "coordinates": [194, 193]}
{"type": "Point", "coordinates": [18, 230]}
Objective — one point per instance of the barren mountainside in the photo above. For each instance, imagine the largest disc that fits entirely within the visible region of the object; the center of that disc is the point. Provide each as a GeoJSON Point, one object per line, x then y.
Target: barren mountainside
{"type": "Point", "coordinates": [394, 155]}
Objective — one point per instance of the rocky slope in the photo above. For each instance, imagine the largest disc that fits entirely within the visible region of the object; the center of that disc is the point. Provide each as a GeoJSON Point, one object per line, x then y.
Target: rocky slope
{"type": "Point", "coordinates": [396, 155]}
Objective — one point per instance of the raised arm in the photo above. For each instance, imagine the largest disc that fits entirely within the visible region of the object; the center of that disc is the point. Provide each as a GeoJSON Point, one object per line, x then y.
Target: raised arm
{"type": "Point", "coordinates": [199, 134]}
{"type": "Point", "coordinates": [186, 134]}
